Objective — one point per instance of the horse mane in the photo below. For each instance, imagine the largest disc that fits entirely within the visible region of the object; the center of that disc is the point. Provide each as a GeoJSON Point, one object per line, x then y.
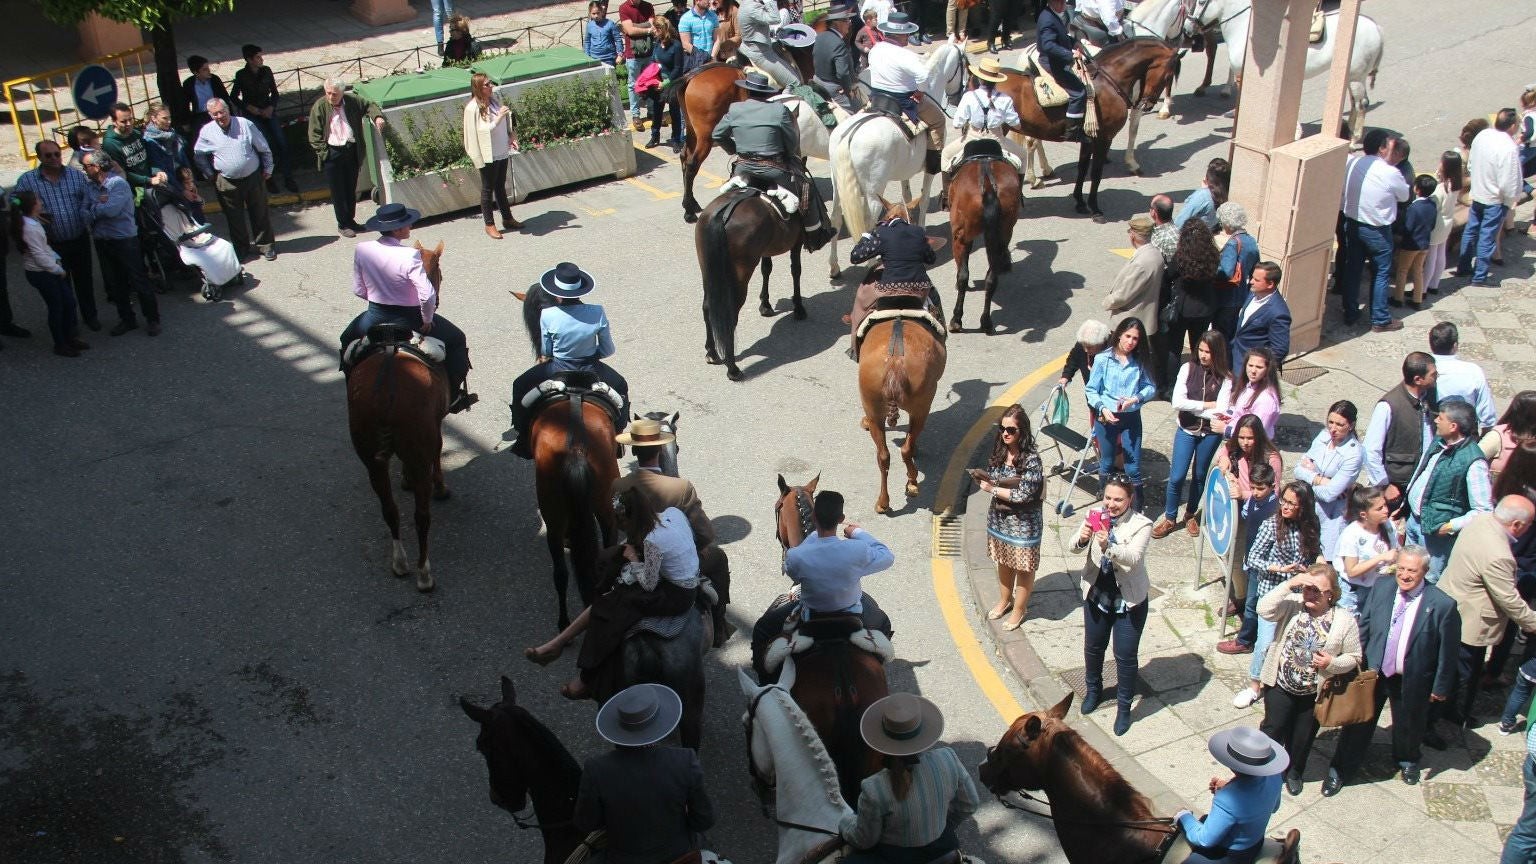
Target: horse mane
{"type": "Point", "coordinates": [802, 724]}
{"type": "Point", "coordinates": [546, 744]}
{"type": "Point", "coordinates": [534, 303]}
{"type": "Point", "coordinates": [1114, 792]}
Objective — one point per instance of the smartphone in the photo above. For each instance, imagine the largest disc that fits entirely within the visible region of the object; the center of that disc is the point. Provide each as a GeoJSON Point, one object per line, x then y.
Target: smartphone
{"type": "Point", "coordinates": [1098, 520]}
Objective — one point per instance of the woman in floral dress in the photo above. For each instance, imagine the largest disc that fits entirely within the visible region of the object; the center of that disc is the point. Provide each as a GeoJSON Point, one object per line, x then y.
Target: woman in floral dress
{"type": "Point", "coordinates": [1015, 479]}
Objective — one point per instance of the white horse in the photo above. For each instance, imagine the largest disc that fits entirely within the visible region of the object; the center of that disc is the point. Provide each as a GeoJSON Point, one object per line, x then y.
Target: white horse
{"type": "Point", "coordinates": [1231, 17]}
{"type": "Point", "coordinates": [1165, 20]}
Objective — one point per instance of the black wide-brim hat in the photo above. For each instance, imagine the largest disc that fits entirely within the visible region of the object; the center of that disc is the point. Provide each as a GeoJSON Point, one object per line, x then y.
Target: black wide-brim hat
{"type": "Point", "coordinates": [392, 217]}
{"type": "Point", "coordinates": [567, 281]}
{"type": "Point", "coordinates": [757, 82]}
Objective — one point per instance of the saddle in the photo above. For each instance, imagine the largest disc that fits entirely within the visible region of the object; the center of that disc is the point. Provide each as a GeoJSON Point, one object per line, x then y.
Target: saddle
{"type": "Point", "coordinates": [381, 336]}
{"type": "Point", "coordinates": [672, 626]}
{"type": "Point", "coordinates": [800, 637]}
{"type": "Point", "coordinates": [883, 105]}
{"type": "Point", "coordinates": [812, 94]}
{"type": "Point", "coordinates": [571, 383]}
{"type": "Point", "coordinates": [919, 313]}
{"type": "Point", "coordinates": [1048, 92]}
{"type": "Point", "coordinates": [1179, 850]}
{"type": "Point", "coordinates": [982, 150]}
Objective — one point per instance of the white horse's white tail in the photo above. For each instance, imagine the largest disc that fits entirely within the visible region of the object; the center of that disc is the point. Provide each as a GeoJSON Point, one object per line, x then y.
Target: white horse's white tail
{"type": "Point", "coordinates": [846, 185]}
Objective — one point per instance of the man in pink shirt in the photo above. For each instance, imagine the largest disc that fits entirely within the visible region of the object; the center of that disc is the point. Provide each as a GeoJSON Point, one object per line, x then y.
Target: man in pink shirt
{"type": "Point", "coordinates": [390, 276]}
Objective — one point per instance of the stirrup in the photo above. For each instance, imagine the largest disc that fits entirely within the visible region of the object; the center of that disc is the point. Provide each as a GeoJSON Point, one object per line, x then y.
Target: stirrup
{"type": "Point", "coordinates": [462, 402]}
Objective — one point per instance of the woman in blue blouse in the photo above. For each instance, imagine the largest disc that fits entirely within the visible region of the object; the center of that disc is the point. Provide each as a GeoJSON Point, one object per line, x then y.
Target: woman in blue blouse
{"type": "Point", "coordinates": [1331, 467]}
{"type": "Point", "coordinates": [1119, 386]}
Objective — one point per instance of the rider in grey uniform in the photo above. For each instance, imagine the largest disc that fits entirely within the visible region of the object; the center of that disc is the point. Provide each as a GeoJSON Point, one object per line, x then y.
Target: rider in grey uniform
{"type": "Point", "coordinates": [765, 140]}
{"type": "Point", "coordinates": [834, 59]}
{"type": "Point", "coordinates": [757, 20]}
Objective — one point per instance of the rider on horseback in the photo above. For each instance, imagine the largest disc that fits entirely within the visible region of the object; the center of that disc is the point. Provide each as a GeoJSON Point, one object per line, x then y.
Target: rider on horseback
{"type": "Point", "coordinates": [758, 20]}
{"type": "Point", "coordinates": [829, 572]}
{"type": "Point", "coordinates": [765, 140]}
{"type": "Point", "coordinates": [897, 75]}
{"type": "Point", "coordinates": [905, 252]}
{"type": "Point", "coordinates": [389, 275]}
{"type": "Point", "coordinates": [1059, 51]}
{"type": "Point", "coordinates": [985, 113]}
{"type": "Point", "coordinates": [573, 337]}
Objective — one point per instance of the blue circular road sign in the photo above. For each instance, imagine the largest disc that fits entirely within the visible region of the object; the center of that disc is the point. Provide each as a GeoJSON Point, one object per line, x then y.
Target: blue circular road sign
{"type": "Point", "coordinates": [95, 92]}
{"type": "Point", "coordinates": [1218, 513]}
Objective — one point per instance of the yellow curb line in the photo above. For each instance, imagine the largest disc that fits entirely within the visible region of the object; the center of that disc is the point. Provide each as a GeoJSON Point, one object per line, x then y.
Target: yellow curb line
{"type": "Point", "coordinates": [945, 582]}
{"type": "Point", "coordinates": [656, 194]}
{"type": "Point", "coordinates": [278, 200]}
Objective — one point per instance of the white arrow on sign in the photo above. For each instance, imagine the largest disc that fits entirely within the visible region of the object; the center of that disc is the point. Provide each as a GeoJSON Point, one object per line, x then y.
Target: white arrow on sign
{"type": "Point", "coordinates": [92, 94]}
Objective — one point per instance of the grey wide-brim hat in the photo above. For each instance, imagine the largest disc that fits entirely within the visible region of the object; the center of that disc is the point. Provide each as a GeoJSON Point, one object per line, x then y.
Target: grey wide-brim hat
{"type": "Point", "coordinates": [901, 724]}
{"type": "Point", "coordinates": [899, 24]}
{"type": "Point", "coordinates": [757, 82]}
{"type": "Point", "coordinates": [1246, 750]}
{"type": "Point", "coordinates": [796, 35]}
{"type": "Point", "coordinates": [640, 715]}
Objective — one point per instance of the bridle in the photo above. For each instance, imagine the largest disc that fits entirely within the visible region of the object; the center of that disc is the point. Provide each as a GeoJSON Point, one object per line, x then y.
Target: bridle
{"type": "Point", "coordinates": [802, 510]}
{"type": "Point", "coordinates": [1199, 12]}
{"type": "Point", "coordinates": [757, 777]}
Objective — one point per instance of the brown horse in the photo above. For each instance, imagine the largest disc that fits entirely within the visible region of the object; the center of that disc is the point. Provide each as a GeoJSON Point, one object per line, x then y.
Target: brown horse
{"type": "Point", "coordinates": [705, 95]}
{"type": "Point", "coordinates": [1099, 816]}
{"type": "Point", "coordinates": [984, 197]}
{"type": "Point", "coordinates": [834, 682]}
{"type": "Point", "coordinates": [396, 403]}
{"type": "Point", "coordinates": [740, 229]}
{"type": "Point", "coordinates": [1144, 65]}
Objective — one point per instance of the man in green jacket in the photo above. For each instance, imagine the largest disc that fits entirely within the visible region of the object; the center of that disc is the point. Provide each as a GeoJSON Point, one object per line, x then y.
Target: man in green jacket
{"type": "Point", "coordinates": [336, 136]}
{"type": "Point", "coordinates": [125, 144]}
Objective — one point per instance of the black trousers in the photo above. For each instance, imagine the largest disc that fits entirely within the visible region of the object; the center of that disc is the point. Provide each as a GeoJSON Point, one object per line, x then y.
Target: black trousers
{"type": "Point", "coordinates": [76, 256]}
{"type": "Point", "coordinates": [1003, 21]}
{"type": "Point", "coordinates": [1408, 725]}
{"type": "Point", "coordinates": [771, 626]}
{"type": "Point", "coordinates": [1289, 719]}
{"type": "Point", "coordinates": [493, 187]}
{"type": "Point", "coordinates": [1185, 333]}
{"type": "Point", "coordinates": [1469, 674]}
{"type": "Point", "coordinates": [341, 177]}
{"type": "Point", "coordinates": [245, 206]}
{"type": "Point", "coordinates": [122, 269]}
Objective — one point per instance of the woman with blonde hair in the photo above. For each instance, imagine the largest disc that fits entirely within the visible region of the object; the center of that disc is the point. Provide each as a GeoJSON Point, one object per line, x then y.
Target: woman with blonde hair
{"type": "Point", "coordinates": [490, 137]}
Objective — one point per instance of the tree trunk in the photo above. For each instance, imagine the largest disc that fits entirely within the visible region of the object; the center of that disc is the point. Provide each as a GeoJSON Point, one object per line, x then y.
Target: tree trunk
{"type": "Point", "coordinates": [168, 73]}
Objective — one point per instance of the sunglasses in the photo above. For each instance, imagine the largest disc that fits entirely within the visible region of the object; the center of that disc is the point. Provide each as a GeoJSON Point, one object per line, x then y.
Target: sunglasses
{"type": "Point", "coordinates": [1008, 430]}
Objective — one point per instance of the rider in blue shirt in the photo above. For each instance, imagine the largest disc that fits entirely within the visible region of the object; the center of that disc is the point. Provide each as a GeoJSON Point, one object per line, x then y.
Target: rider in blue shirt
{"type": "Point", "coordinates": [1233, 832]}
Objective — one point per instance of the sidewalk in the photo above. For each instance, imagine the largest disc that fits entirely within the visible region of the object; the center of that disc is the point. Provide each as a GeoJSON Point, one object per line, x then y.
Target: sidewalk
{"type": "Point", "coordinates": [1470, 794]}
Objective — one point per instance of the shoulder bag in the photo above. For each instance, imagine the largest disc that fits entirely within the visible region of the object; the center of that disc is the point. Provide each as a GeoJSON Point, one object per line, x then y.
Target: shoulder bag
{"type": "Point", "coordinates": [1347, 699]}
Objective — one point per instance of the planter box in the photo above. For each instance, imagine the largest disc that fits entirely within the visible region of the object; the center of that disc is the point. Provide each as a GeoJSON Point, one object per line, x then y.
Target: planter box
{"type": "Point", "coordinates": [433, 194]}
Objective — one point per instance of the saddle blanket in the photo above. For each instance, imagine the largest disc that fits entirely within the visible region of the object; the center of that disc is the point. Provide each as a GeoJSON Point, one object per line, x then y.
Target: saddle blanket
{"type": "Point", "coordinates": [549, 389]}
{"type": "Point", "coordinates": [922, 316]}
{"type": "Point", "coordinates": [792, 643]}
{"type": "Point", "coordinates": [426, 346]}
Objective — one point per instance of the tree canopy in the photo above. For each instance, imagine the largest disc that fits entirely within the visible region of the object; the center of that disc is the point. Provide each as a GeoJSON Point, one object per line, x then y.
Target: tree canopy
{"type": "Point", "coordinates": [149, 14]}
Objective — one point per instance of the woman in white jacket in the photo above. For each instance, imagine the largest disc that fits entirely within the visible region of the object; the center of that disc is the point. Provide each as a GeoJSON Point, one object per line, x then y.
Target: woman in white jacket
{"type": "Point", "coordinates": [490, 137]}
{"type": "Point", "coordinates": [45, 272]}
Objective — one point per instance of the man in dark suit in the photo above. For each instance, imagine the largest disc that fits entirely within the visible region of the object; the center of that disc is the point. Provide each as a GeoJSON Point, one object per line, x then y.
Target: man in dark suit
{"type": "Point", "coordinates": [833, 59]}
{"type": "Point", "coordinates": [649, 798]}
{"type": "Point", "coordinates": [1410, 630]}
{"type": "Point", "coordinates": [1265, 320]}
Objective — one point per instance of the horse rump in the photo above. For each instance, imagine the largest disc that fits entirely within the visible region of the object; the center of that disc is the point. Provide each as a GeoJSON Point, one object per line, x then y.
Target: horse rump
{"type": "Point", "coordinates": [992, 216]}
{"type": "Point", "coordinates": [895, 382]}
{"type": "Point", "coordinates": [576, 484]}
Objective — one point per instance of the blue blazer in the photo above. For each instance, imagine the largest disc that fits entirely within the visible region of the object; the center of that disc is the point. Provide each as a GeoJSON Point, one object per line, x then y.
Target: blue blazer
{"type": "Point", "coordinates": [1054, 40]}
{"type": "Point", "coordinates": [1269, 327]}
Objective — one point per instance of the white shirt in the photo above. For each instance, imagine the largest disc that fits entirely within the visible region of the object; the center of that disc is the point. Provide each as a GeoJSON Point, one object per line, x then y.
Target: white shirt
{"type": "Point", "coordinates": [1357, 543]}
{"type": "Point", "coordinates": [1252, 306]}
{"type": "Point", "coordinates": [1464, 378]}
{"type": "Point", "coordinates": [1376, 440]}
{"type": "Point", "coordinates": [1107, 11]}
{"type": "Point", "coordinates": [1372, 189]}
{"type": "Point", "coordinates": [894, 69]}
{"type": "Point", "coordinates": [988, 112]}
{"type": "Point", "coordinates": [1494, 163]}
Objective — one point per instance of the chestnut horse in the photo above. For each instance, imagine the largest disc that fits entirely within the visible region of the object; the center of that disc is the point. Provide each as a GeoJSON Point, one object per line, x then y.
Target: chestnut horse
{"type": "Point", "coordinates": [1099, 816]}
{"type": "Point", "coordinates": [705, 94]}
{"type": "Point", "coordinates": [834, 682]}
{"type": "Point", "coordinates": [1141, 66]}
{"type": "Point", "coordinates": [395, 407]}
{"type": "Point", "coordinates": [575, 466]}
{"type": "Point", "coordinates": [984, 197]}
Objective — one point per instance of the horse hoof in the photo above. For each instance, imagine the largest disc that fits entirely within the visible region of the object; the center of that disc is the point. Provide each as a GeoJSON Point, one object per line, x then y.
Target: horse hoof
{"type": "Point", "coordinates": [835, 275]}
{"type": "Point", "coordinates": [799, 312]}
{"type": "Point", "coordinates": [1164, 115]}
{"type": "Point", "coordinates": [882, 507]}
{"type": "Point", "coordinates": [1036, 183]}
{"type": "Point", "coordinates": [442, 493]}
{"type": "Point", "coordinates": [1199, 91]}
{"type": "Point", "coordinates": [1081, 208]}
{"type": "Point", "coordinates": [986, 325]}
{"type": "Point", "coordinates": [912, 490]}
{"type": "Point", "coordinates": [1136, 172]}
{"type": "Point", "coordinates": [954, 325]}
{"type": "Point", "coordinates": [765, 310]}
{"type": "Point", "coordinates": [690, 218]}
{"type": "Point", "coordinates": [425, 583]}
{"type": "Point", "coordinates": [1098, 218]}
{"type": "Point", "coordinates": [1049, 175]}
{"type": "Point", "coordinates": [733, 373]}
{"type": "Point", "coordinates": [712, 360]}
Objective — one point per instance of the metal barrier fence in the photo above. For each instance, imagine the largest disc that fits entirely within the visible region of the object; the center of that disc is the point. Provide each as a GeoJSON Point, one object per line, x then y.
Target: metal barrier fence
{"type": "Point", "coordinates": [41, 106]}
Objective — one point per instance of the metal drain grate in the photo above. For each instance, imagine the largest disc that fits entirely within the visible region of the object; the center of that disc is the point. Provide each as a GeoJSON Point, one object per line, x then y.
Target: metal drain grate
{"type": "Point", "coordinates": [1299, 372]}
{"type": "Point", "coordinates": [948, 535]}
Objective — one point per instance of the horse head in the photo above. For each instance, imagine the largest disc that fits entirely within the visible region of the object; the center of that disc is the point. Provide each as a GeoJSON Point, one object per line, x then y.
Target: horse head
{"type": "Point", "coordinates": [946, 74]}
{"type": "Point", "coordinates": [1020, 759]}
{"type": "Point", "coordinates": [899, 209]}
{"type": "Point", "coordinates": [432, 263]}
{"type": "Point", "coordinates": [1147, 60]}
{"type": "Point", "coordinates": [520, 753]}
{"type": "Point", "coordinates": [792, 512]}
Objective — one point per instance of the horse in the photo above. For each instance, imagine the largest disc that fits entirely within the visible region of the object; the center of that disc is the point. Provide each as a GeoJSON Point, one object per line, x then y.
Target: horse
{"type": "Point", "coordinates": [525, 760]}
{"type": "Point", "coordinates": [706, 93]}
{"type": "Point", "coordinates": [1231, 18]}
{"type": "Point", "coordinates": [835, 681]}
{"type": "Point", "coordinates": [1169, 21]}
{"type": "Point", "coordinates": [870, 150]}
{"type": "Point", "coordinates": [575, 466]}
{"type": "Point", "coordinates": [395, 407]}
{"type": "Point", "coordinates": [737, 231]}
{"type": "Point", "coordinates": [1098, 815]}
{"type": "Point", "coordinates": [984, 199]}
{"type": "Point", "coordinates": [1135, 66]}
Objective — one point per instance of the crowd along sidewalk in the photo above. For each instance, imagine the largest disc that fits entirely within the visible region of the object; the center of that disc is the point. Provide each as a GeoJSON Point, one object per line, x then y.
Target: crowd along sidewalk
{"type": "Point", "coordinates": [1471, 793]}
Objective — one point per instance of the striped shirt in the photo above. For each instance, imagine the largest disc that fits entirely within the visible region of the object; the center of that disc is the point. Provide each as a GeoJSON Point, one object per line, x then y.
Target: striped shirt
{"type": "Point", "coordinates": [940, 786]}
{"type": "Point", "coordinates": [63, 201]}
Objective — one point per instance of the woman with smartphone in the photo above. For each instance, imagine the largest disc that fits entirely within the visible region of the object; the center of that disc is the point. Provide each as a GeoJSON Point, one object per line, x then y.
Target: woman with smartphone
{"type": "Point", "coordinates": [1367, 548]}
{"type": "Point", "coordinates": [1115, 589]}
{"type": "Point", "coordinates": [1119, 385]}
{"type": "Point", "coordinates": [1285, 544]}
{"type": "Point", "coordinates": [1203, 387]}
{"type": "Point", "coordinates": [1015, 478]}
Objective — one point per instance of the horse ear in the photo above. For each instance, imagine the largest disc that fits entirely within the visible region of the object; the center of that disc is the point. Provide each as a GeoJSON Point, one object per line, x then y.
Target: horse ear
{"type": "Point", "coordinates": [634, 416]}
{"type": "Point", "coordinates": [787, 674]}
{"type": "Point", "coordinates": [811, 486]}
{"type": "Point", "coordinates": [884, 204]}
{"type": "Point", "coordinates": [912, 205]}
{"type": "Point", "coordinates": [508, 692]}
{"type": "Point", "coordinates": [1059, 710]}
{"type": "Point", "coordinates": [675, 415]}
{"type": "Point", "coordinates": [1032, 726]}
{"type": "Point", "coordinates": [439, 250]}
{"type": "Point", "coordinates": [474, 712]}
{"type": "Point", "coordinates": [522, 297]}
{"type": "Point", "coordinates": [783, 487]}
{"type": "Point", "coordinates": [749, 687]}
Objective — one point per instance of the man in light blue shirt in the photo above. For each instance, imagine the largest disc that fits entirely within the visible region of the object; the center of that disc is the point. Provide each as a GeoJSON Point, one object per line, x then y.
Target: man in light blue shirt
{"type": "Point", "coordinates": [1233, 832]}
{"type": "Point", "coordinates": [108, 209]}
{"type": "Point", "coordinates": [830, 572]}
{"type": "Point", "coordinates": [235, 153]}
{"type": "Point", "coordinates": [1520, 848]}
{"type": "Point", "coordinates": [1458, 377]}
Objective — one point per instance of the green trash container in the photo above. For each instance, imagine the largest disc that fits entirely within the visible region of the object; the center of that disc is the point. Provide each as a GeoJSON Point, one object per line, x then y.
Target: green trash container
{"type": "Point", "coordinates": [409, 89]}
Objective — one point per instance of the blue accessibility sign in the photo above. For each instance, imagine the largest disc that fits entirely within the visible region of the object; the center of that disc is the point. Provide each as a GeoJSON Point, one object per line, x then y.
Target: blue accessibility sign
{"type": "Point", "coordinates": [95, 92]}
{"type": "Point", "coordinates": [1218, 513]}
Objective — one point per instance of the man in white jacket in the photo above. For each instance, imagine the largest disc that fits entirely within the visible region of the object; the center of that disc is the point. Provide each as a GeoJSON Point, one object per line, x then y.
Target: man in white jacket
{"type": "Point", "coordinates": [1494, 163]}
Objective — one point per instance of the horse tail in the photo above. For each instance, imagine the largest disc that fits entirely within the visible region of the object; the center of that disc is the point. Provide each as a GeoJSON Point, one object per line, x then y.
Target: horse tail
{"type": "Point", "coordinates": [998, 258]}
{"type": "Point", "coordinates": [845, 182]}
{"type": "Point", "coordinates": [719, 273]}
{"type": "Point", "coordinates": [895, 374]}
{"type": "Point", "coordinates": [576, 484]}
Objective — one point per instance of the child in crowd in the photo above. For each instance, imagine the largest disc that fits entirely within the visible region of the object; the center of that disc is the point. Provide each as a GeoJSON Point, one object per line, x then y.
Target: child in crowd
{"type": "Point", "coordinates": [1413, 243]}
{"type": "Point", "coordinates": [600, 36]}
{"type": "Point", "coordinates": [867, 36]}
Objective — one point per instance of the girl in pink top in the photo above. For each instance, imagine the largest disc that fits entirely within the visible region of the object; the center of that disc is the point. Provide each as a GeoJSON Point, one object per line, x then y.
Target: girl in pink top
{"type": "Point", "coordinates": [1248, 445]}
{"type": "Point", "coordinates": [1256, 390]}
{"type": "Point", "coordinates": [1516, 430]}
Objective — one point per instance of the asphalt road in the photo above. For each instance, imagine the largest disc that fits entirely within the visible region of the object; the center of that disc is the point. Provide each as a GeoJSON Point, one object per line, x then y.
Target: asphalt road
{"type": "Point", "coordinates": [203, 656]}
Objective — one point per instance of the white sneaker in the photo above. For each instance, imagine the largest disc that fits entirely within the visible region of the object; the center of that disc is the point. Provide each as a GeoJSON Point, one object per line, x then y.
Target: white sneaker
{"type": "Point", "coordinates": [1244, 698]}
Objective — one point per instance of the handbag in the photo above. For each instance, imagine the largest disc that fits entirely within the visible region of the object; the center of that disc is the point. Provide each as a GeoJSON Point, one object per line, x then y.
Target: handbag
{"type": "Point", "coordinates": [1172, 311]}
{"type": "Point", "coordinates": [1347, 699]}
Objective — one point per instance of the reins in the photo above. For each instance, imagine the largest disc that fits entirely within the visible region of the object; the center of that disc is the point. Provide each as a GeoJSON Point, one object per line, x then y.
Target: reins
{"type": "Point", "coordinates": [529, 822]}
{"type": "Point", "coordinates": [1161, 824]}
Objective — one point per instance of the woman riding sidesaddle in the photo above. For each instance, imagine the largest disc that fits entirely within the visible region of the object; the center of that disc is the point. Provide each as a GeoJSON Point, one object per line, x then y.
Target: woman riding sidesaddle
{"type": "Point", "coordinates": [905, 252]}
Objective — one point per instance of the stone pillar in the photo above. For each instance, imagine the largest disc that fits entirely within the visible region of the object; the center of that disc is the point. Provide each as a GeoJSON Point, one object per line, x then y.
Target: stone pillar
{"type": "Point", "coordinates": [102, 36]}
{"type": "Point", "coordinates": [1338, 76]}
{"type": "Point", "coordinates": [377, 13]}
{"type": "Point", "coordinates": [1274, 66]}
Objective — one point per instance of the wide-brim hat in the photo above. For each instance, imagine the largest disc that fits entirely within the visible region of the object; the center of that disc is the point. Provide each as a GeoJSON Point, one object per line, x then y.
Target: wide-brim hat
{"type": "Point", "coordinates": [392, 217]}
{"type": "Point", "coordinates": [901, 724]}
{"type": "Point", "coordinates": [838, 13]}
{"type": "Point", "coordinates": [644, 432]}
{"type": "Point", "coordinates": [757, 82]}
{"type": "Point", "coordinates": [1246, 750]}
{"type": "Point", "coordinates": [796, 35]}
{"type": "Point", "coordinates": [988, 69]}
{"type": "Point", "coordinates": [899, 24]}
{"type": "Point", "coordinates": [567, 281]}
{"type": "Point", "coordinates": [639, 715]}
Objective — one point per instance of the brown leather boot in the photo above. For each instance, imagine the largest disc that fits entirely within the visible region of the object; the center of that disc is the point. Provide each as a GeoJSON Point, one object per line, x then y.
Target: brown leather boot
{"type": "Point", "coordinates": [491, 232]}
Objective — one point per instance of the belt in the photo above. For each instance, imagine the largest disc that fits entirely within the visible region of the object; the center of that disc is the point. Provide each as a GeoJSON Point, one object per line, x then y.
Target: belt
{"type": "Point", "coordinates": [405, 310]}
{"type": "Point", "coordinates": [346, 146]}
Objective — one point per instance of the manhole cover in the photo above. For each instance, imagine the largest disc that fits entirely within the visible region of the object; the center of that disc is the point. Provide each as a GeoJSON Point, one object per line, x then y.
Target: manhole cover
{"type": "Point", "coordinates": [1076, 681]}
